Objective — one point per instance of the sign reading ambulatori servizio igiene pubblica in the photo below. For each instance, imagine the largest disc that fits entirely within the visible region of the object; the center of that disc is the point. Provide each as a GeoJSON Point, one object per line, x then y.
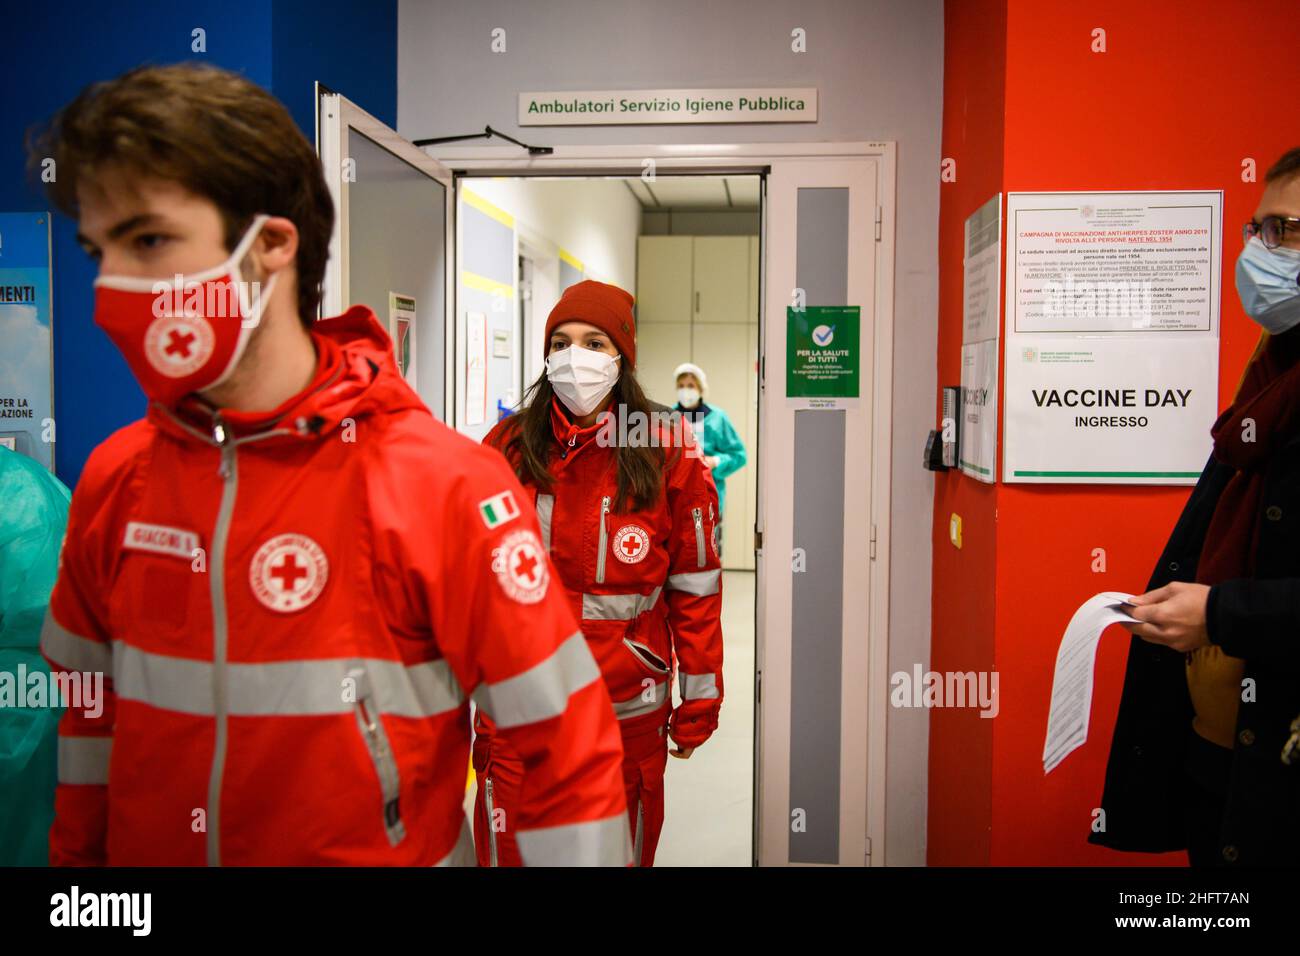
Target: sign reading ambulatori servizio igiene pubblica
{"type": "Point", "coordinates": [610, 107]}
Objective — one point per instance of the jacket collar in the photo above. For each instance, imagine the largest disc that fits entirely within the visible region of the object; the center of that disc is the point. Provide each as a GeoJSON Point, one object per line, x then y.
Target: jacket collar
{"type": "Point", "coordinates": [565, 431]}
{"type": "Point", "coordinates": [355, 375]}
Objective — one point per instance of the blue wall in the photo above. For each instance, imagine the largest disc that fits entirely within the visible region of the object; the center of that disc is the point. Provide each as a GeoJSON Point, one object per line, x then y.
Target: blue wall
{"type": "Point", "coordinates": [55, 48]}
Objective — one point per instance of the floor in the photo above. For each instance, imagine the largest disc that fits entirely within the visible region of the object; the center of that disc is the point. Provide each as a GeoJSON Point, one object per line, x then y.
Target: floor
{"type": "Point", "coordinates": [709, 799]}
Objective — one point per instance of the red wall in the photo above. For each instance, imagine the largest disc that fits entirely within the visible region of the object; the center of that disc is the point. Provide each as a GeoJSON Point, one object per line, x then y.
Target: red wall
{"type": "Point", "coordinates": [962, 636]}
{"type": "Point", "coordinates": [1175, 102]}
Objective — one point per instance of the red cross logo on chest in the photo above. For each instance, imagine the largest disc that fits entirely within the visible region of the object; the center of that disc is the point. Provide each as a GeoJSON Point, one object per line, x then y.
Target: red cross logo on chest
{"type": "Point", "coordinates": [288, 571]}
{"type": "Point", "coordinates": [631, 543]}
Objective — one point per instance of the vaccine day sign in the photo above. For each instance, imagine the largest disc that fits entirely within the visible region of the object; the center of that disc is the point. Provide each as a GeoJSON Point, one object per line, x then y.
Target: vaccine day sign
{"type": "Point", "coordinates": [26, 357]}
{"type": "Point", "coordinates": [823, 355]}
{"type": "Point", "coordinates": [1112, 336]}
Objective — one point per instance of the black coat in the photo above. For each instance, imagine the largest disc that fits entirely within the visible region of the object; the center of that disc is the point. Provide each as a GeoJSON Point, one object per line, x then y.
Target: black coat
{"type": "Point", "coordinates": [1257, 619]}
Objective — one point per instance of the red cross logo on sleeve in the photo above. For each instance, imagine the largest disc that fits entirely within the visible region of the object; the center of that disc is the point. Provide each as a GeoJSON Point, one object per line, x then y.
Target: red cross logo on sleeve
{"type": "Point", "coordinates": [520, 565]}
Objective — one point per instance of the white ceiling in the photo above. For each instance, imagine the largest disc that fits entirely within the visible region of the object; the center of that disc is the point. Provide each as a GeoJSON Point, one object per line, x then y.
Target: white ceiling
{"type": "Point", "coordinates": [696, 192]}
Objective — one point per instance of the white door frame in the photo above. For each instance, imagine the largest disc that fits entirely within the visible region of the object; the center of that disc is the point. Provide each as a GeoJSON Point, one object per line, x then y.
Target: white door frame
{"type": "Point", "coordinates": [776, 423]}
{"type": "Point", "coordinates": [335, 115]}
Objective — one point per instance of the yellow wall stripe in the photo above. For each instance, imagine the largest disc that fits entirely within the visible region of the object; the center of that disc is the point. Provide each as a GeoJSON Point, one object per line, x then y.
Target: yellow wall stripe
{"type": "Point", "coordinates": [472, 280]}
{"type": "Point", "coordinates": [485, 207]}
{"type": "Point", "coordinates": [576, 263]}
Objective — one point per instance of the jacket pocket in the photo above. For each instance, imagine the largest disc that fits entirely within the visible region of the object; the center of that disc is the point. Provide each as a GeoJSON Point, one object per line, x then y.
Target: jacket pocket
{"type": "Point", "coordinates": [646, 657]}
{"type": "Point", "coordinates": [489, 803]}
{"type": "Point", "coordinates": [700, 558]}
{"type": "Point", "coordinates": [381, 755]}
{"type": "Point", "coordinates": [604, 540]}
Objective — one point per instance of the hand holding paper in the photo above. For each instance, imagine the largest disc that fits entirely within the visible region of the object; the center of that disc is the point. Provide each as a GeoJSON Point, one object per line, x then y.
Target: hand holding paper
{"type": "Point", "coordinates": [1067, 721]}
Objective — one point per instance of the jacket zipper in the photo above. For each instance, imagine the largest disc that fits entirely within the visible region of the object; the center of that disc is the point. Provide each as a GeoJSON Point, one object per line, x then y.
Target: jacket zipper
{"type": "Point", "coordinates": [564, 450]}
{"type": "Point", "coordinates": [699, 537]}
{"type": "Point", "coordinates": [217, 589]}
{"type": "Point", "coordinates": [604, 541]}
{"type": "Point", "coordinates": [492, 830]}
{"type": "Point", "coordinates": [381, 755]}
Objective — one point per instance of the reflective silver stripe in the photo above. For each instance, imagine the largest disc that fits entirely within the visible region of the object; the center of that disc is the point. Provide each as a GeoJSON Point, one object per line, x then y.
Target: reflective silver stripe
{"type": "Point", "coordinates": [72, 651]}
{"type": "Point", "coordinates": [638, 705]}
{"type": "Point", "coordinates": [84, 760]}
{"type": "Point", "coordinates": [283, 688]}
{"type": "Point", "coordinates": [462, 854]}
{"type": "Point", "coordinates": [545, 506]}
{"type": "Point", "coordinates": [697, 686]}
{"type": "Point", "coordinates": [617, 607]}
{"type": "Point", "coordinates": [701, 583]}
{"type": "Point", "coordinates": [542, 691]}
{"type": "Point", "coordinates": [593, 843]}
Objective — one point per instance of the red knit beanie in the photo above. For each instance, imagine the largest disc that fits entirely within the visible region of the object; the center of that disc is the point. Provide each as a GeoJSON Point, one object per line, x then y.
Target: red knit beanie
{"type": "Point", "coordinates": [605, 306]}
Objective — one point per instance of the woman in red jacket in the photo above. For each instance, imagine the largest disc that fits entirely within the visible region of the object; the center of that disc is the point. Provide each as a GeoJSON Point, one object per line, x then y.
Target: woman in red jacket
{"type": "Point", "coordinates": [627, 510]}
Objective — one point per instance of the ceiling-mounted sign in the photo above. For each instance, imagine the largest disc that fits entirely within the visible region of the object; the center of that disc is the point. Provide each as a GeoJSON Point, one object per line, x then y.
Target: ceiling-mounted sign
{"type": "Point", "coordinates": [645, 107]}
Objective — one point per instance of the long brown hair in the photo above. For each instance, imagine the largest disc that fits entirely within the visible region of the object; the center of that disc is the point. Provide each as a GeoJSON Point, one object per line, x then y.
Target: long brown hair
{"type": "Point", "coordinates": [529, 443]}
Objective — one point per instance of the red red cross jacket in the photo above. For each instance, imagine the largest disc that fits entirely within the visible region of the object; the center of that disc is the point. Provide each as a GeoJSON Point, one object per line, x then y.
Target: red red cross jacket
{"type": "Point", "coordinates": [293, 611]}
{"type": "Point", "coordinates": [646, 585]}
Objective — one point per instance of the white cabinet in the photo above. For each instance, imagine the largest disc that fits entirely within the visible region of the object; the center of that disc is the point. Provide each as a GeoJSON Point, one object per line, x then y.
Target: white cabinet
{"type": "Point", "coordinates": [721, 278]}
{"type": "Point", "coordinates": [663, 280]}
{"type": "Point", "coordinates": [697, 301]}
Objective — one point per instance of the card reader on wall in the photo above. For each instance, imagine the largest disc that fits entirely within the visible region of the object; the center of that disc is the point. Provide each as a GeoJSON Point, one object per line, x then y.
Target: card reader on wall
{"type": "Point", "coordinates": [941, 445]}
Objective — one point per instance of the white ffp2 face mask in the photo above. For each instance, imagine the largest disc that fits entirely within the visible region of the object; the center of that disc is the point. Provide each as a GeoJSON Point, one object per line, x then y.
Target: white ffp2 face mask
{"type": "Point", "coordinates": [582, 377]}
{"type": "Point", "coordinates": [688, 397]}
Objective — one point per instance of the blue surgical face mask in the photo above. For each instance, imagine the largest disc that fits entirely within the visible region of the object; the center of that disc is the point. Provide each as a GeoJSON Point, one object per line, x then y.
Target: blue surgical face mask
{"type": "Point", "coordinates": [1267, 284]}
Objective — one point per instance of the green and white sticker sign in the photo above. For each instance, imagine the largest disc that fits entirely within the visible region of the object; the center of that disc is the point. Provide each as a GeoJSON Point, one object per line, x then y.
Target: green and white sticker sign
{"type": "Point", "coordinates": [823, 352]}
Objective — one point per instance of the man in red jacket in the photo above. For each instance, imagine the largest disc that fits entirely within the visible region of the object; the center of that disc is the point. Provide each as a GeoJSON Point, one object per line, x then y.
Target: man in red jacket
{"type": "Point", "coordinates": [295, 578]}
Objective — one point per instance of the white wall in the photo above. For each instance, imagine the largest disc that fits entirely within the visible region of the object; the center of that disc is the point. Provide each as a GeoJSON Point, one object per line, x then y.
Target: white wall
{"type": "Point", "coordinates": [594, 220]}
{"type": "Point", "coordinates": [878, 67]}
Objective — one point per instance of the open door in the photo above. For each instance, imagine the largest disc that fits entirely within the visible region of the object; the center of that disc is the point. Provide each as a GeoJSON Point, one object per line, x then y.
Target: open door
{"type": "Point", "coordinates": [392, 239]}
{"type": "Point", "coordinates": [822, 592]}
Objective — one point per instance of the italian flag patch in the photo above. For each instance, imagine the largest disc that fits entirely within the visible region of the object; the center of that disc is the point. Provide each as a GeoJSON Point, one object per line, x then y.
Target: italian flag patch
{"type": "Point", "coordinates": [498, 509]}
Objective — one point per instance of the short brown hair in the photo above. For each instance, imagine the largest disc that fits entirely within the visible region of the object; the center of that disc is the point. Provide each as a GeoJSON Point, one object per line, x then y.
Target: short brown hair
{"type": "Point", "coordinates": [216, 133]}
{"type": "Point", "coordinates": [1288, 165]}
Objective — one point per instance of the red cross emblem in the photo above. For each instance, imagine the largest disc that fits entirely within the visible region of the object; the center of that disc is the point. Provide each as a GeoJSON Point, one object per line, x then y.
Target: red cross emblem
{"type": "Point", "coordinates": [520, 565]}
{"type": "Point", "coordinates": [631, 543]}
{"type": "Point", "coordinates": [288, 572]}
{"type": "Point", "coordinates": [179, 345]}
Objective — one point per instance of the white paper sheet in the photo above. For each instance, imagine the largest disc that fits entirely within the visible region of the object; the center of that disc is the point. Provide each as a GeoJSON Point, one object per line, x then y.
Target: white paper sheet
{"type": "Point", "coordinates": [1067, 721]}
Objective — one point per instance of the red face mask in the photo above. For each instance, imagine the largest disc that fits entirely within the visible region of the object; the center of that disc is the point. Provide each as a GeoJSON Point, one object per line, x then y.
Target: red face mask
{"type": "Point", "coordinates": [188, 333]}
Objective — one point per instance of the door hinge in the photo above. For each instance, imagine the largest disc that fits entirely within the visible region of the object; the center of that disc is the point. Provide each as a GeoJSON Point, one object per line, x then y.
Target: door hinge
{"type": "Point", "coordinates": [873, 542]}
{"type": "Point", "coordinates": [867, 857]}
{"type": "Point", "coordinates": [758, 687]}
{"type": "Point", "coordinates": [879, 218]}
{"type": "Point", "coordinates": [758, 540]}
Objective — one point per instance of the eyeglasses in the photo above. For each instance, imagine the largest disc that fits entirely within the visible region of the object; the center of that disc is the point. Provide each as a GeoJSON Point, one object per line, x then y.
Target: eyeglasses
{"type": "Point", "coordinates": [1271, 230]}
